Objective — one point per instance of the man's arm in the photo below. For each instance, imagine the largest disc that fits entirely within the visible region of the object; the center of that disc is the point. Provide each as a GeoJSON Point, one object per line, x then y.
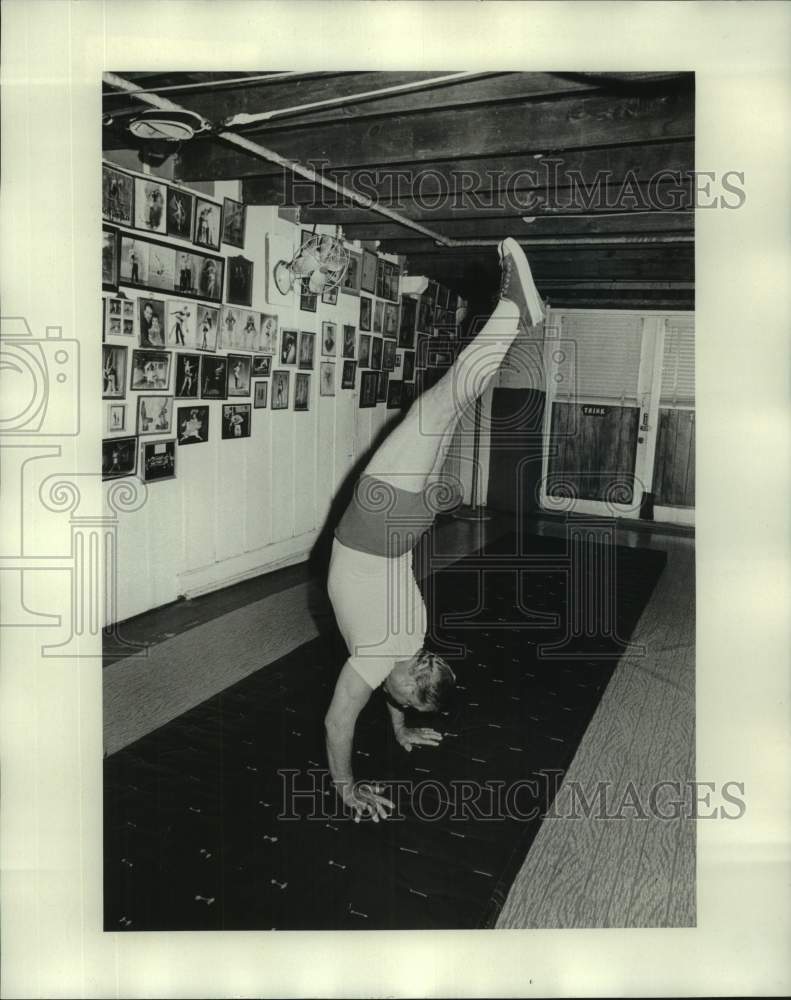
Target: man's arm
{"type": "Point", "coordinates": [350, 697]}
{"type": "Point", "coordinates": [408, 738]}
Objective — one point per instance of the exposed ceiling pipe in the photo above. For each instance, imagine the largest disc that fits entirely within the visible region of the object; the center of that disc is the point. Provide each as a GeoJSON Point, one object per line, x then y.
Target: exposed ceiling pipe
{"type": "Point", "coordinates": [264, 153]}
{"type": "Point", "coordinates": [243, 119]}
{"type": "Point", "coordinates": [207, 84]}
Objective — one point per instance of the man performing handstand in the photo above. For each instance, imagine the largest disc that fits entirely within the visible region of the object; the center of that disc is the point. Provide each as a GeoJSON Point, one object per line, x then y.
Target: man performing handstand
{"type": "Point", "coordinates": [372, 587]}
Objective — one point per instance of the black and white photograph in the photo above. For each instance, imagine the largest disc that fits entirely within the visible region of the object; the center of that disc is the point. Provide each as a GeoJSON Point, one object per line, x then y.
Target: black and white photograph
{"type": "Point", "coordinates": [307, 349]}
{"type": "Point", "coordinates": [150, 198]}
{"type": "Point", "coordinates": [280, 389]}
{"type": "Point", "coordinates": [151, 322]}
{"type": "Point", "coordinates": [233, 222]}
{"type": "Point", "coordinates": [213, 377]}
{"type": "Point", "coordinates": [365, 312]}
{"type": "Point", "coordinates": [207, 224]}
{"type": "Point", "coordinates": [192, 424]}
{"type": "Point", "coordinates": [376, 352]}
{"type": "Point", "coordinates": [260, 395]}
{"type": "Point", "coordinates": [114, 371]}
{"type": "Point", "coordinates": [116, 418]}
{"type": "Point", "coordinates": [187, 384]}
{"type": "Point", "coordinates": [364, 350]}
{"type": "Point", "coordinates": [179, 211]}
{"type": "Point", "coordinates": [110, 259]}
{"type": "Point", "coordinates": [349, 374]}
{"type": "Point", "coordinates": [158, 460]}
{"type": "Point", "coordinates": [545, 482]}
{"type": "Point", "coordinates": [349, 338]}
{"type": "Point", "coordinates": [118, 196]}
{"type": "Point", "coordinates": [180, 323]}
{"type": "Point", "coordinates": [302, 391]}
{"type": "Point", "coordinates": [239, 373]}
{"type": "Point", "coordinates": [367, 389]}
{"type": "Point", "coordinates": [207, 328]}
{"type": "Point", "coordinates": [119, 457]}
{"type": "Point", "coordinates": [288, 347]}
{"type": "Point", "coordinates": [327, 378]}
{"type": "Point", "coordinates": [235, 421]}
{"type": "Point", "coordinates": [150, 370]}
{"type": "Point", "coordinates": [154, 414]}
{"type": "Point", "coordinates": [240, 280]}
{"type": "Point", "coordinates": [119, 317]}
{"type": "Point", "coordinates": [262, 366]}
{"type": "Point", "coordinates": [329, 339]}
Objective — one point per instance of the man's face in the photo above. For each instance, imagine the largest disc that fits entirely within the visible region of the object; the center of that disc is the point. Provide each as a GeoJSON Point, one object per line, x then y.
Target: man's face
{"type": "Point", "coordinates": [399, 687]}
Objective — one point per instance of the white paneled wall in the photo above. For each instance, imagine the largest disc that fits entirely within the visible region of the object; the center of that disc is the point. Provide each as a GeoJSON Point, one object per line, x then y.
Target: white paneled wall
{"type": "Point", "coordinates": [238, 508]}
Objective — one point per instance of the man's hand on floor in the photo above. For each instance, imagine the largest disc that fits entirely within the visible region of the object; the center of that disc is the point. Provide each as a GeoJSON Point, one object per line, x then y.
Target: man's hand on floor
{"type": "Point", "coordinates": [409, 738]}
{"type": "Point", "coordinates": [364, 801]}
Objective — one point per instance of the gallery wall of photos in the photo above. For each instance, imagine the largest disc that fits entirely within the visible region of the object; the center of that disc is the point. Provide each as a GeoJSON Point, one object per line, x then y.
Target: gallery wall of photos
{"type": "Point", "coordinates": [185, 356]}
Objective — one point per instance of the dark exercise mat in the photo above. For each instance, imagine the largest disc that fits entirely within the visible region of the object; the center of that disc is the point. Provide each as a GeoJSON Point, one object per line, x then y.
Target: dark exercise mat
{"type": "Point", "coordinates": [192, 834]}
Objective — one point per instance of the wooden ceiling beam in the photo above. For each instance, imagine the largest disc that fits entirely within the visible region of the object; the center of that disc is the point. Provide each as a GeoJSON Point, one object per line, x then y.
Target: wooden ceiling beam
{"type": "Point", "coordinates": [499, 130]}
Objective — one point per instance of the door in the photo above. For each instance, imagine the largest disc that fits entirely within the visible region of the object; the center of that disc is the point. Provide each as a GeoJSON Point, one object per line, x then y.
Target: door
{"type": "Point", "coordinates": [604, 387]}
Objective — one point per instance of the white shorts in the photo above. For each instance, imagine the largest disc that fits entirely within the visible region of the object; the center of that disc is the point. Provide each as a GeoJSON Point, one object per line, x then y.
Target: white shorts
{"type": "Point", "coordinates": [379, 609]}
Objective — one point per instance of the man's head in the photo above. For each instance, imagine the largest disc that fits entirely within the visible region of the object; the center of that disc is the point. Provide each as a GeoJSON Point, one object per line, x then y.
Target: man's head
{"type": "Point", "coordinates": [424, 682]}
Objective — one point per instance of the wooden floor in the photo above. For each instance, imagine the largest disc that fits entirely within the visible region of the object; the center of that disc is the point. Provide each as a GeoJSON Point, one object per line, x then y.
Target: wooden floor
{"type": "Point", "coordinates": [631, 871]}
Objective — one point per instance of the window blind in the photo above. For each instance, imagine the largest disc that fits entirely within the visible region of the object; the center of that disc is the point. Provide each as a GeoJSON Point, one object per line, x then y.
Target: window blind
{"type": "Point", "coordinates": [598, 356]}
{"type": "Point", "coordinates": [678, 361]}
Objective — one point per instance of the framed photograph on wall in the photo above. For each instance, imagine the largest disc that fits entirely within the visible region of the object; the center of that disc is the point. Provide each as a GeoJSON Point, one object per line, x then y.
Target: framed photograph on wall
{"type": "Point", "coordinates": [210, 277]}
{"type": "Point", "coordinates": [192, 424]}
{"type": "Point", "coordinates": [239, 366]}
{"type": "Point", "coordinates": [113, 371]}
{"type": "Point", "coordinates": [161, 267]}
{"type": "Point", "coordinates": [406, 327]}
{"type": "Point", "coordinates": [368, 272]}
{"type": "Point", "coordinates": [150, 197]}
{"type": "Point", "coordinates": [381, 267]}
{"type": "Point", "coordinates": [240, 281]}
{"type": "Point", "coordinates": [179, 212]}
{"type": "Point", "coordinates": [351, 280]}
{"type": "Point", "coordinates": [393, 394]}
{"type": "Point", "coordinates": [365, 312]}
{"type": "Point", "coordinates": [151, 322]}
{"type": "Point", "coordinates": [349, 374]}
{"type": "Point", "coordinates": [236, 421]}
{"type": "Point", "coordinates": [307, 349]}
{"type": "Point", "coordinates": [187, 373]}
{"type": "Point", "coordinates": [259, 395]}
{"type": "Point", "coordinates": [119, 317]}
{"type": "Point", "coordinates": [382, 380]}
{"type": "Point", "coordinates": [150, 370]}
{"type": "Point", "coordinates": [390, 323]}
{"type": "Point", "coordinates": [180, 323]}
{"type": "Point", "coordinates": [267, 338]}
{"type": "Point", "coordinates": [409, 366]}
{"type": "Point", "coordinates": [234, 217]}
{"type": "Point", "coordinates": [208, 323]}
{"type": "Point", "coordinates": [288, 347]}
{"type": "Point", "coordinates": [213, 377]}
{"type": "Point", "coordinates": [376, 353]}
{"type": "Point", "coordinates": [158, 460]}
{"type": "Point", "coordinates": [302, 392]}
{"type": "Point", "coordinates": [230, 330]}
{"type": "Point", "coordinates": [262, 366]}
{"type": "Point", "coordinates": [330, 296]}
{"type": "Point", "coordinates": [329, 339]}
{"type": "Point", "coordinates": [119, 457]}
{"type": "Point", "coordinates": [307, 300]}
{"type": "Point", "coordinates": [110, 259]}
{"type": "Point", "coordinates": [327, 378]}
{"type": "Point", "coordinates": [207, 224]}
{"type": "Point", "coordinates": [116, 418]}
{"type": "Point", "coordinates": [154, 415]}
{"type": "Point", "coordinates": [367, 389]}
{"type": "Point", "coordinates": [379, 308]}
{"type": "Point", "coordinates": [349, 340]}
{"type": "Point", "coordinates": [364, 350]}
{"type": "Point", "coordinates": [134, 261]}
{"type": "Point", "coordinates": [118, 196]}
{"type": "Point", "coordinates": [280, 388]}
{"type": "Point", "coordinates": [388, 355]}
